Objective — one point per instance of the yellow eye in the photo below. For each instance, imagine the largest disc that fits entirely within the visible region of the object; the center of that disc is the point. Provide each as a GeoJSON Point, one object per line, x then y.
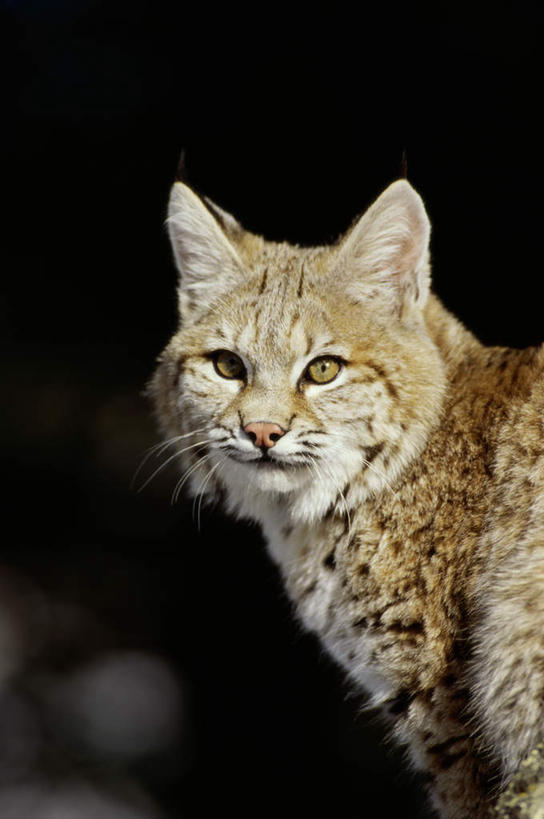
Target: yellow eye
{"type": "Point", "coordinates": [322, 370]}
{"type": "Point", "coordinates": [229, 365]}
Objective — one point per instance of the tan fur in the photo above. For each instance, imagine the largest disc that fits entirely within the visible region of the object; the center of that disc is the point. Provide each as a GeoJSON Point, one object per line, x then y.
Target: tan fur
{"type": "Point", "coordinates": [408, 516]}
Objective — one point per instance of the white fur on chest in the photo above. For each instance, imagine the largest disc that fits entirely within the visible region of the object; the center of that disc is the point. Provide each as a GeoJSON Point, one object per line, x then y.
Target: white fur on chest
{"type": "Point", "coordinates": [322, 603]}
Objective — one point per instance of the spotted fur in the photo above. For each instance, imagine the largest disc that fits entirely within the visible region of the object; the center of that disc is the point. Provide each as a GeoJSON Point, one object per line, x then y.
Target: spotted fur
{"type": "Point", "coordinates": [404, 503]}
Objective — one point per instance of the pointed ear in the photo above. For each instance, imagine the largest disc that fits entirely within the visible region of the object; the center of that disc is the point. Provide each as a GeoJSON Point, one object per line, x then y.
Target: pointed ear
{"type": "Point", "coordinates": [207, 261]}
{"type": "Point", "coordinates": [384, 258]}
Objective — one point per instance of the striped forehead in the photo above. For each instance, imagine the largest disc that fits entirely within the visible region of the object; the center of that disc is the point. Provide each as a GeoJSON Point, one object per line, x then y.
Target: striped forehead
{"type": "Point", "coordinates": [277, 312]}
{"type": "Point", "coordinates": [281, 313]}
{"type": "Point", "coordinates": [276, 295]}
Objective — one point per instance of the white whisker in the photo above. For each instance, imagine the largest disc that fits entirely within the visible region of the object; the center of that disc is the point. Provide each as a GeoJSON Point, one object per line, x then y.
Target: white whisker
{"type": "Point", "coordinates": [338, 490]}
{"type": "Point", "coordinates": [378, 472]}
{"type": "Point", "coordinates": [367, 463]}
{"type": "Point", "coordinates": [171, 458]}
{"type": "Point", "coordinates": [187, 474]}
{"type": "Point", "coordinates": [202, 489]}
{"type": "Point", "coordinates": [159, 448]}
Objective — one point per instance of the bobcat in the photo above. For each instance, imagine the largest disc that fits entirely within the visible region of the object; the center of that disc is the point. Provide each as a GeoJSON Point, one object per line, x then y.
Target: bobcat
{"type": "Point", "coordinates": [394, 464]}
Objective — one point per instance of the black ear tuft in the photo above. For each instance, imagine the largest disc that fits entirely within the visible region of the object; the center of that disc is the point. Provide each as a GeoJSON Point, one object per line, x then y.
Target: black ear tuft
{"type": "Point", "coordinates": [181, 170]}
{"type": "Point", "coordinates": [403, 173]}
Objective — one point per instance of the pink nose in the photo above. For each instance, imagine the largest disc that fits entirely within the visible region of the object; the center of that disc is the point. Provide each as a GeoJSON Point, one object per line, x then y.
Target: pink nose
{"type": "Point", "coordinates": [263, 433]}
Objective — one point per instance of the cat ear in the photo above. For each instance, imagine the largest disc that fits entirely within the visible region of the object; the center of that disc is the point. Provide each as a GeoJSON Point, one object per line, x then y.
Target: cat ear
{"type": "Point", "coordinates": [207, 261]}
{"type": "Point", "coordinates": [385, 257]}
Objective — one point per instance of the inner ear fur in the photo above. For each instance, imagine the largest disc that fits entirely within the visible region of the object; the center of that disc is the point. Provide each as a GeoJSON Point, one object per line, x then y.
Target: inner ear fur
{"type": "Point", "coordinates": [385, 256]}
{"type": "Point", "coordinates": [207, 260]}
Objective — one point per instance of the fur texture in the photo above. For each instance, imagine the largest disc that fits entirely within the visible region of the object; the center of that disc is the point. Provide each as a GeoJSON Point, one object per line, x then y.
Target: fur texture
{"type": "Point", "coordinates": [403, 501]}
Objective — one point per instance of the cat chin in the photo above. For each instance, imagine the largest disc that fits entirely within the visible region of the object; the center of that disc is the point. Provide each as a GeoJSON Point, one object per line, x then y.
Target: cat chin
{"type": "Point", "coordinates": [295, 495]}
{"type": "Point", "coordinates": [249, 477]}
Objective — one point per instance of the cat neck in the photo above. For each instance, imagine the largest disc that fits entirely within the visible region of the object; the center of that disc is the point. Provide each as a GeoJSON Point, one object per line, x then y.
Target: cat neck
{"type": "Point", "coordinates": [455, 343]}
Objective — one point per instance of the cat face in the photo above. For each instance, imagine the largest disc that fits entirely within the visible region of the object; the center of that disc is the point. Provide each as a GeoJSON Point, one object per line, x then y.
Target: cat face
{"type": "Point", "coordinates": [294, 374]}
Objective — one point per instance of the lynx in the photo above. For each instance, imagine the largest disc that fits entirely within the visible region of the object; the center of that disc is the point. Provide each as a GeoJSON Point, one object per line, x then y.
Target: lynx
{"type": "Point", "coordinates": [394, 464]}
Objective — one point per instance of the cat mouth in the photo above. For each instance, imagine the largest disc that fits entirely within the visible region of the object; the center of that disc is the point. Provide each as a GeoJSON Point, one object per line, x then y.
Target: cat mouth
{"type": "Point", "coordinates": [267, 464]}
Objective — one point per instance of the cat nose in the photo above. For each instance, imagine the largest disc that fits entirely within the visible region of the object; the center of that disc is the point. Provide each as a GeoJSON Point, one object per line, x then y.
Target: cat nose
{"type": "Point", "coordinates": [263, 433]}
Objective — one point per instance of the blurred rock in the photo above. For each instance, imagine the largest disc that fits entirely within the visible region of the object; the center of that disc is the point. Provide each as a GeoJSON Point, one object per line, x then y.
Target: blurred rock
{"type": "Point", "coordinates": [21, 737]}
{"type": "Point", "coordinates": [123, 705]}
{"type": "Point", "coordinates": [36, 800]}
{"type": "Point", "coordinates": [24, 616]}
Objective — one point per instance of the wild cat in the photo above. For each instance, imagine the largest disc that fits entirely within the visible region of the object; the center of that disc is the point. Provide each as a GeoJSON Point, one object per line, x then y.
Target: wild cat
{"type": "Point", "coordinates": [394, 463]}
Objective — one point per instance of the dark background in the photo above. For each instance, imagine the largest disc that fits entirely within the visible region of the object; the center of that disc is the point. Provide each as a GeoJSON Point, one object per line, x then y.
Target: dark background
{"type": "Point", "coordinates": [294, 121]}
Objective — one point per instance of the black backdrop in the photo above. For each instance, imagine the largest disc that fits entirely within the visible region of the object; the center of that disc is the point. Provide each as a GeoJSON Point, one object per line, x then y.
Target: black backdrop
{"type": "Point", "coordinates": [293, 119]}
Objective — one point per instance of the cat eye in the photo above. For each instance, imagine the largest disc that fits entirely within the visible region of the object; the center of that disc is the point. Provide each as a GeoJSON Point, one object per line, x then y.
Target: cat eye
{"type": "Point", "coordinates": [322, 370]}
{"type": "Point", "coordinates": [228, 364]}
